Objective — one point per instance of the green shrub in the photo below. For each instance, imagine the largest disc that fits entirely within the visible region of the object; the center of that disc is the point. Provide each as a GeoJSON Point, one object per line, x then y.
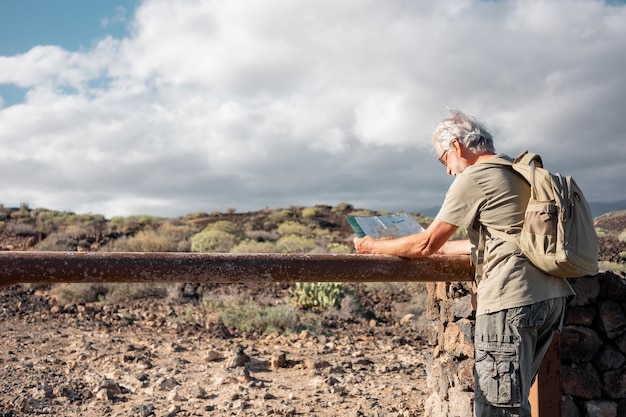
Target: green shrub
{"type": "Point", "coordinates": [21, 229]}
{"type": "Point", "coordinates": [77, 293]}
{"type": "Point", "coordinates": [262, 235]}
{"type": "Point", "coordinates": [212, 241]}
{"type": "Point", "coordinates": [317, 295]}
{"type": "Point", "coordinates": [149, 241]}
{"type": "Point", "coordinates": [242, 315]}
{"type": "Point", "coordinates": [612, 266]}
{"type": "Point", "coordinates": [124, 225]}
{"type": "Point", "coordinates": [277, 217]}
{"type": "Point", "coordinates": [196, 215]}
{"type": "Point", "coordinates": [108, 293]}
{"type": "Point", "coordinates": [601, 232]}
{"type": "Point", "coordinates": [252, 246]}
{"type": "Point", "coordinates": [363, 213]}
{"type": "Point", "coordinates": [342, 208]}
{"type": "Point", "coordinates": [622, 236]}
{"type": "Point", "coordinates": [224, 226]}
{"type": "Point", "coordinates": [295, 244]}
{"type": "Point", "coordinates": [309, 212]}
{"type": "Point", "coordinates": [339, 248]}
{"type": "Point", "coordinates": [122, 293]}
{"type": "Point", "coordinates": [292, 228]}
{"type": "Point", "coordinates": [57, 242]}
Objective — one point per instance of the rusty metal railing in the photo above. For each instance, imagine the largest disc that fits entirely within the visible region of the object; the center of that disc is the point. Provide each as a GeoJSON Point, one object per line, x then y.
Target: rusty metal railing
{"type": "Point", "coordinates": [58, 267]}
{"type": "Point", "coordinates": [85, 267]}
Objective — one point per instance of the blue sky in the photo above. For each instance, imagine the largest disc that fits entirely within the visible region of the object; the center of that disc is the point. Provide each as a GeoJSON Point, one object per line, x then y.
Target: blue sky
{"type": "Point", "coordinates": [165, 107]}
{"type": "Point", "coordinates": [73, 24]}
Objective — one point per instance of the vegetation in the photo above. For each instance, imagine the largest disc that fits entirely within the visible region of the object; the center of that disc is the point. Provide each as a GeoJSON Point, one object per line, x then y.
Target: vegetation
{"type": "Point", "coordinates": [317, 295]}
{"type": "Point", "coordinates": [316, 229]}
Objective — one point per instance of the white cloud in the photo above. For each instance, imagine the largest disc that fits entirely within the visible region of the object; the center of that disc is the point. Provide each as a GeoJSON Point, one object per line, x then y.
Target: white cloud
{"type": "Point", "coordinates": [209, 105]}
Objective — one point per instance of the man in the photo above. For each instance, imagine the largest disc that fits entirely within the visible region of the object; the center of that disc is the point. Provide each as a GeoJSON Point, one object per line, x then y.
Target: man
{"type": "Point", "coordinates": [518, 306]}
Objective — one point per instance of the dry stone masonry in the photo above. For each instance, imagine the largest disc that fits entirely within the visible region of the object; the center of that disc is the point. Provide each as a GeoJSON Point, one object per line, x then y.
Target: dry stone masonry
{"type": "Point", "coordinates": [593, 349]}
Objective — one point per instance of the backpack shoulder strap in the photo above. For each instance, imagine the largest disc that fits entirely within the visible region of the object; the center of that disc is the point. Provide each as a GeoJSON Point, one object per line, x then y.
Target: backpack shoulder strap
{"type": "Point", "coordinates": [527, 158]}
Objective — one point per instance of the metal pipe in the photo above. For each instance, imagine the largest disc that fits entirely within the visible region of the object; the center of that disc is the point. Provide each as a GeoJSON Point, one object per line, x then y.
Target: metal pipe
{"type": "Point", "coordinates": [58, 267]}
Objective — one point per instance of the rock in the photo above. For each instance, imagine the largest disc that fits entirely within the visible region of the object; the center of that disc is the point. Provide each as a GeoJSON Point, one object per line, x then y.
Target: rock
{"type": "Point", "coordinates": [408, 319]}
{"type": "Point", "coordinates": [579, 344]}
{"type": "Point", "coordinates": [105, 395]}
{"type": "Point", "coordinates": [581, 381]}
{"type": "Point", "coordinates": [612, 319]}
{"type": "Point", "coordinates": [581, 316]}
{"type": "Point", "coordinates": [458, 338]}
{"type": "Point", "coordinates": [313, 364]}
{"type": "Point", "coordinates": [197, 392]}
{"type": "Point", "coordinates": [615, 383]}
{"type": "Point", "coordinates": [167, 384]}
{"type": "Point", "coordinates": [612, 286]}
{"type": "Point", "coordinates": [238, 357]}
{"type": "Point", "coordinates": [212, 356]}
{"type": "Point", "coordinates": [608, 358]}
{"type": "Point", "coordinates": [65, 391]}
{"type": "Point", "coordinates": [278, 360]}
{"type": "Point", "coordinates": [462, 307]}
{"type": "Point", "coordinates": [21, 403]}
{"type": "Point", "coordinates": [600, 409]}
{"type": "Point", "coordinates": [110, 385]}
{"type": "Point", "coordinates": [587, 290]}
{"type": "Point", "coordinates": [173, 395]}
{"type": "Point", "coordinates": [142, 410]}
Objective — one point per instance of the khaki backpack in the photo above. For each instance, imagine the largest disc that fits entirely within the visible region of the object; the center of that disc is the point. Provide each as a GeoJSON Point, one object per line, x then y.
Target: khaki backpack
{"type": "Point", "coordinates": [558, 235]}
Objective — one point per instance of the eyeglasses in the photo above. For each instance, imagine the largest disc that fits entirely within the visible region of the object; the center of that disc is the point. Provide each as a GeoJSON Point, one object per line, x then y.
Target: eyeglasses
{"type": "Point", "coordinates": [444, 163]}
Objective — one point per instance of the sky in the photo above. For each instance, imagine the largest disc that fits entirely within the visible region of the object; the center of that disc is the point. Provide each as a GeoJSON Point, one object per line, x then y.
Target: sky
{"type": "Point", "coordinates": [163, 107]}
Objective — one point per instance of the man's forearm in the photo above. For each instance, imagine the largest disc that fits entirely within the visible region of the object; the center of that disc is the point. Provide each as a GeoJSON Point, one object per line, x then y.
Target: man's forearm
{"type": "Point", "coordinates": [456, 247]}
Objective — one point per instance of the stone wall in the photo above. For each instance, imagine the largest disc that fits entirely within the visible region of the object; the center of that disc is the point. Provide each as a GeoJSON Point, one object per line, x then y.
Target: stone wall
{"type": "Point", "coordinates": [593, 349]}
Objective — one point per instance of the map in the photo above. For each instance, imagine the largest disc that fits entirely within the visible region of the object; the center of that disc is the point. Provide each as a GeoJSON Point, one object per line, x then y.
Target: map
{"type": "Point", "coordinates": [391, 226]}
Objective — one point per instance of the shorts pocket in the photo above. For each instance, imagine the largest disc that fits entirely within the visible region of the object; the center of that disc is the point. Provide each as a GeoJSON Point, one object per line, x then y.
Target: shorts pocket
{"type": "Point", "coordinates": [497, 377]}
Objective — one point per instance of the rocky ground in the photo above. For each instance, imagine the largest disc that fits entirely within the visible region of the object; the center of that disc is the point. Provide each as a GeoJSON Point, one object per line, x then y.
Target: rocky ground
{"type": "Point", "coordinates": [98, 360]}
{"type": "Point", "coordinates": [144, 359]}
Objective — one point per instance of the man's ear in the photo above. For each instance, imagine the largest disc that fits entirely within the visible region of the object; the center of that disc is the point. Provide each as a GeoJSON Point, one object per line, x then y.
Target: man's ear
{"type": "Point", "coordinates": [457, 146]}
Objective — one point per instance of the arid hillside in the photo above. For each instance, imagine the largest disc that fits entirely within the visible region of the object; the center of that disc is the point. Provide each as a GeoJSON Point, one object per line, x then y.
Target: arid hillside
{"type": "Point", "coordinates": [215, 350]}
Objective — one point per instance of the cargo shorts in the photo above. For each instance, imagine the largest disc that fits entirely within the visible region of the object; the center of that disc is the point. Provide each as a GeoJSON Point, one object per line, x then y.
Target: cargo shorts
{"type": "Point", "coordinates": [509, 347]}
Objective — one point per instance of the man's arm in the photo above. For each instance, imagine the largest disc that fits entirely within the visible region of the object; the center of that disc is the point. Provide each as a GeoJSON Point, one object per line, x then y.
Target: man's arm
{"type": "Point", "coordinates": [456, 247]}
{"type": "Point", "coordinates": [433, 240]}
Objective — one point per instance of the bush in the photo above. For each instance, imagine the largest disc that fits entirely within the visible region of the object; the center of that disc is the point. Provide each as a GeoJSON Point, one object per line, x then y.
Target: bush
{"type": "Point", "coordinates": [252, 246]}
{"type": "Point", "coordinates": [212, 241]}
{"type": "Point", "coordinates": [79, 293]}
{"type": "Point", "coordinates": [292, 228]}
{"type": "Point", "coordinates": [246, 316]}
{"type": "Point", "coordinates": [295, 244]}
{"type": "Point", "coordinates": [149, 241]}
{"type": "Point", "coordinates": [197, 215]}
{"type": "Point", "coordinates": [21, 229]}
{"type": "Point", "coordinates": [317, 295]}
{"type": "Point", "coordinates": [339, 248]}
{"type": "Point", "coordinates": [122, 293]}
{"type": "Point", "coordinates": [262, 235]}
{"type": "Point", "coordinates": [57, 242]}
{"type": "Point", "coordinates": [309, 212]}
{"type": "Point", "coordinates": [342, 208]}
{"type": "Point", "coordinates": [224, 226]}
{"type": "Point", "coordinates": [277, 217]}
{"type": "Point", "coordinates": [111, 293]}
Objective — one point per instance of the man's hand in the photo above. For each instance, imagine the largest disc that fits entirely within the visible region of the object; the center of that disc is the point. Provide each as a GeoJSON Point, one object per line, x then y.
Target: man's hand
{"type": "Point", "coordinates": [364, 244]}
{"type": "Point", "coordinates": [416, 245]}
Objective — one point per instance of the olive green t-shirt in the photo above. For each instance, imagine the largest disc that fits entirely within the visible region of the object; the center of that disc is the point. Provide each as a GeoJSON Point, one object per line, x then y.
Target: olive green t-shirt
{"type": "Point", "coordinates": [496, 197]}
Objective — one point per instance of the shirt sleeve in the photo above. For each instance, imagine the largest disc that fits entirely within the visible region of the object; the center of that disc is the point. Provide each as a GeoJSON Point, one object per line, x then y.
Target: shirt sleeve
{"type": "Point", "coordinates": [462, 202]}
